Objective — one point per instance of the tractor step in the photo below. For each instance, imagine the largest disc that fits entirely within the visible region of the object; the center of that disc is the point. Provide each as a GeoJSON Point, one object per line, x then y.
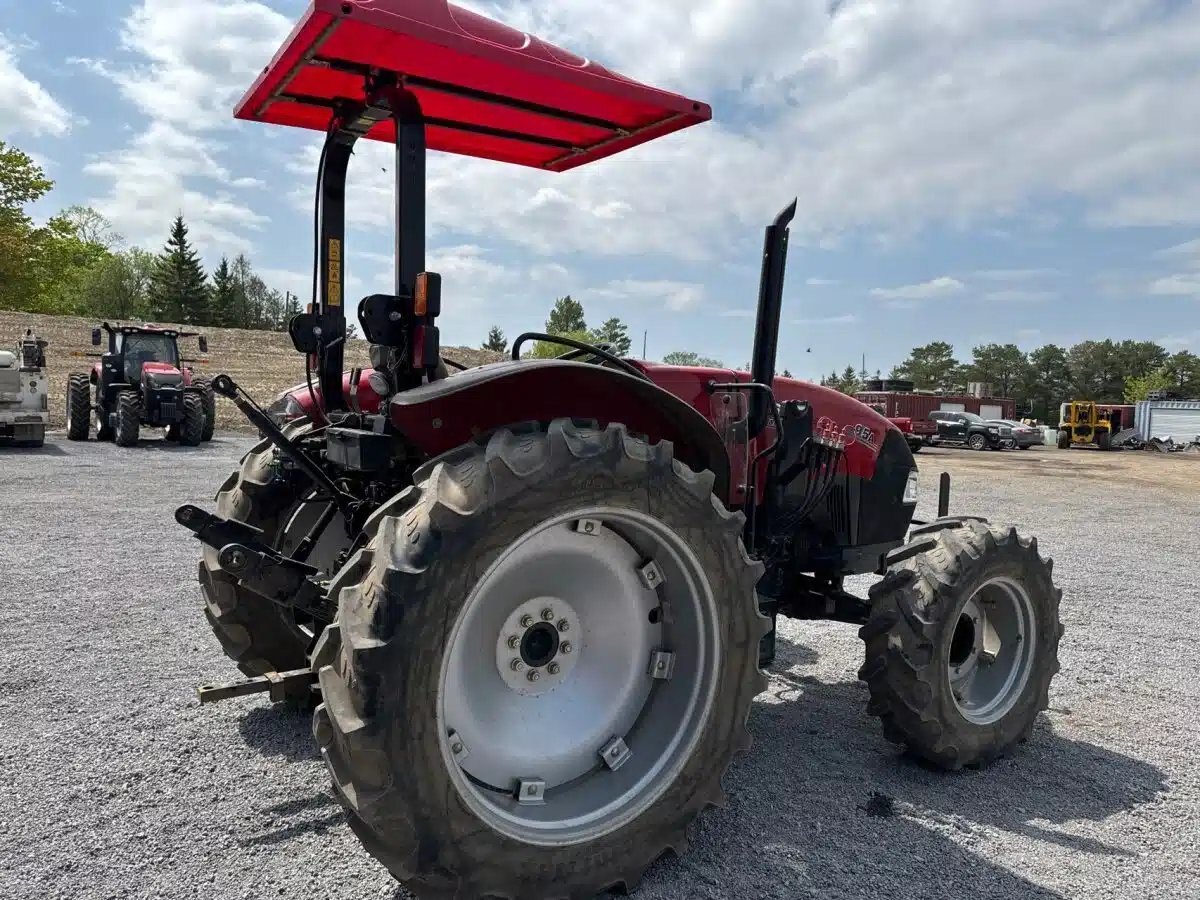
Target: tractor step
{"type": "Point", "coordinates": [298, 684]}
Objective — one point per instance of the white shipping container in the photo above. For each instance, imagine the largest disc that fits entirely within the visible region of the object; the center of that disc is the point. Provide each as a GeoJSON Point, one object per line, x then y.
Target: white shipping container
{"type": "Point", "coordinates": [1162, 419]}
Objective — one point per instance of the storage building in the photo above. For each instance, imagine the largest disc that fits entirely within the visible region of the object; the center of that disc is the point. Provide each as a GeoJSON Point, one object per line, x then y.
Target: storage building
{"type": "Point", "coordinates": [1178, 419]}
{"type": "Point", "coordinates": [918, 406]}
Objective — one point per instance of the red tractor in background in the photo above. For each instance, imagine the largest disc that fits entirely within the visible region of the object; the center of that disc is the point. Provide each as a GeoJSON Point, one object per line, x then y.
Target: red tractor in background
{"type": "Point", "coordinates": [140, 380]}
{"type": "Point", "coordinates": [533, 600]}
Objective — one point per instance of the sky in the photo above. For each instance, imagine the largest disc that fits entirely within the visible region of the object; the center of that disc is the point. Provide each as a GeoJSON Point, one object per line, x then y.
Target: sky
{"type": "Point", "coordinates": [967, 171]}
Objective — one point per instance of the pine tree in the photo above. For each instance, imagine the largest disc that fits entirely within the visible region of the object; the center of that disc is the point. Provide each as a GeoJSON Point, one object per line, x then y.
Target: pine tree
{"type": "Point", "coordinates": [222, 299]}
{"type": "Point", "coordinates": [566, 317]}
{"type": "Point", "coordinates": [178, 292]}
{"type": "Point", "coordinates": [496, 342]}
{"type": "Point", "coordinates": [615, 332]}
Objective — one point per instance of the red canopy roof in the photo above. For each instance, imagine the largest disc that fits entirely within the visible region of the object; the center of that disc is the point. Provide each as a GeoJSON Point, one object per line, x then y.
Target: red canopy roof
{"type": "Point", "coordinates": [485, 89]}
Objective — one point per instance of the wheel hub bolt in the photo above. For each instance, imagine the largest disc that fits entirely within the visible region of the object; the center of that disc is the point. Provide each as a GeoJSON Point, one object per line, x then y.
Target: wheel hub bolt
{"type": "Point", "coordinates": [514, 642]}
{"type": "Point", "coordinates": [456, 747]}
{"type": "Point", "coordinates": [526, 621]}
{"type": "Point", "coordinates": [552, 668]}
{"type": "Point", "coordinates": [516, 665]}
{"type": "Point", "coordinates": [564, 625]}
{"type": "Point", "coordinates": [533, 676]}
{"type": "Point", "coordinates": [547, 615]}
{"type": "Point", "coordinates": [565, 647]}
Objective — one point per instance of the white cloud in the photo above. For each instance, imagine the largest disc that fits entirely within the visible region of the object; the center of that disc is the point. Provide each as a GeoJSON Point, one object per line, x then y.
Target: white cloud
{"type": "Point", "coordinates": [943, 286]}
{"type": "Point", "coordinates": [193, 59]}
{"type": "Point", "coordinates": [821, 282]}
{"type": "Point", "coordinates": [1182, 285]}
{"type": "Point", "coordinates": [150, 183]}
{"type": "Point", "coordinates": [675, 296]}
{"type": "Point", "coordinates": [892, 114]}
{"type": "Point", "coordinates": [1188, 250]}
{"type": "Point", "coordinates": [199, 57]}
{"type": "Point", "coordinates": [1182, 341]}
{"type": "Point", "coordinates": [26, 106]}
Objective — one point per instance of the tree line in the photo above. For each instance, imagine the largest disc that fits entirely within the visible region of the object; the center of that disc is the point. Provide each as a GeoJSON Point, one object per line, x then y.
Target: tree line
{"type": "Point", "coordinates": [567, 320]}
{"type": "Point", "coordinates": [1104, 371]}
{"type": "Point", "coordinates": [77, 264]}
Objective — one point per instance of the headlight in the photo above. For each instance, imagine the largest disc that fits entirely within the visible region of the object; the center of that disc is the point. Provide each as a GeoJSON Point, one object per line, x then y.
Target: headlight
{"type": "Point", "coordinates": [285, 408]}
{"type": "Point", "coordinates": [993, 430]}
{"type": "Point", "coordinates": [912, 487]}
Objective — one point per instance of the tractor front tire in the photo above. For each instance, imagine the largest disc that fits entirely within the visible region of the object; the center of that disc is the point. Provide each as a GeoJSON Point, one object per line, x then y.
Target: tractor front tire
{"type": "Point", "coordinates": [1104, 440]}
{"type": "Point", "coordinates": [191, 429]}
{"type": "Point", "coordinates": [79, 407]}
{"type": "Point", "coordinates": [961, 645]}
{"type": "Point", "coordinates": [437, 741]}
{"type": "Point", "coordinates": [1064, 440]}
{"type": "Point", "coordinates": [209, 400]}
{"type": "Point", "coordinates": [257, 634]}
{"type": "Point", "coordinates": [128, 419]}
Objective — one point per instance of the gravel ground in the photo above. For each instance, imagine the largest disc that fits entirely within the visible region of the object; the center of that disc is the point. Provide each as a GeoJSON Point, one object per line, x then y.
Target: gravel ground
{"type": "Point", "coordinates": [114, 783]}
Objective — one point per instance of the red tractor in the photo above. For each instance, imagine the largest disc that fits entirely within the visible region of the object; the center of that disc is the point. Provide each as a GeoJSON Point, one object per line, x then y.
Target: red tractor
{"type": "Point", "coordinates": [533, 600]}
{"type": "Point", "coordinates": [140, 380]}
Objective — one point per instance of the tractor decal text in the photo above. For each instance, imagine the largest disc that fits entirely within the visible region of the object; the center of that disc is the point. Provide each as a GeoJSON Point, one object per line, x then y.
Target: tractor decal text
{"type": "Point", "coordinates": [333, 293]}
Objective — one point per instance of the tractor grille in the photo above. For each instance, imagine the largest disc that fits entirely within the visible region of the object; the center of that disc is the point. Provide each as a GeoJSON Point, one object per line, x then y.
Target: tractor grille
{"type": "Point", "coordinates": [836, 507]}
{"type": "Point", "coordinates": [168, 411]}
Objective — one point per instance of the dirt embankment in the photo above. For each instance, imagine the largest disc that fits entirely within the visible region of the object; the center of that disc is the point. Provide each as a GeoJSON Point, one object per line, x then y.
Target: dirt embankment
{"type": "Point", "coordinates": [262, 362]}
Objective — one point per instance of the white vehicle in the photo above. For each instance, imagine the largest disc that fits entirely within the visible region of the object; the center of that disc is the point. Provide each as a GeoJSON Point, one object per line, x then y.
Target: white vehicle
{"type": "Point", "coordinates": [24, 406]}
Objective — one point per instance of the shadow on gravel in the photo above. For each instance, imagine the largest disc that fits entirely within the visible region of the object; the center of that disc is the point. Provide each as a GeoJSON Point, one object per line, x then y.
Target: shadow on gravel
{"type": "Point", "coordinates": [824, 806]}
{"type": "Point", "coordinates": [277, 730]}
{"type": "Point", "coordinates": [47, 449]}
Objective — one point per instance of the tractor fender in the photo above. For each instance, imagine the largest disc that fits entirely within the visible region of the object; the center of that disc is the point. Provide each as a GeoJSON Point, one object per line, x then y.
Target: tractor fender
{"type": "Point", "coordinates": [448, 413]}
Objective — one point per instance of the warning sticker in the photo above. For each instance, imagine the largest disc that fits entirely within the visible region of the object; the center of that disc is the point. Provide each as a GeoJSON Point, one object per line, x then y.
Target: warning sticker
{"type": "Point", "coordinates": [333, 292]}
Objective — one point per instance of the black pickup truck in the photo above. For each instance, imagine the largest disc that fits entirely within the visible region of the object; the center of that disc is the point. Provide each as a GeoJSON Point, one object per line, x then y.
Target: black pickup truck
{"type": "Point", "coordinates": [968, 428]}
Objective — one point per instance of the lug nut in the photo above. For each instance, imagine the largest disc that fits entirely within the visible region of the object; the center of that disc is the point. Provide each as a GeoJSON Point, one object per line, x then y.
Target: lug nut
{"type": "Point", "coordinates": [564, 625]}
{"type": "Point", "coordinates": [516, 665]}
{"type": "Point", "coordinates": [526, 621]}
{"type": "Point", "coordinates": [514, 642]}
{"type": "Point", "coordinates": [565, 647]}
{"type": "Point", "coordinates": [456, 747]}
{"type": "Point", "coordinates": [533, 676]}
{"type": "Point", "coordinates": [548, 614]}
{"type": "Point", "coordinates": [552, 668]}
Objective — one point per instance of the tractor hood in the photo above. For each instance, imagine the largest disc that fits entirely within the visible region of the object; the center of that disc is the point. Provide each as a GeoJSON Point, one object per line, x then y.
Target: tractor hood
{"type": "Point", "coordinates": [161, 374]}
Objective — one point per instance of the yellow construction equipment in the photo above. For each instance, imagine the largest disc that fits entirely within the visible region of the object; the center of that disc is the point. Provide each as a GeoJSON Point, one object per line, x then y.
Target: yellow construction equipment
{"type": "Point", "coordinates": [1081, 424]}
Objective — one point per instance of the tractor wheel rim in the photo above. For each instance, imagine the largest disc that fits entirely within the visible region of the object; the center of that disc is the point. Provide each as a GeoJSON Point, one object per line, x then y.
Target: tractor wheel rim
{"type": "Point", "coordinates": [620, 697]}
{"type": "Point", "coordinates": [991, 651]}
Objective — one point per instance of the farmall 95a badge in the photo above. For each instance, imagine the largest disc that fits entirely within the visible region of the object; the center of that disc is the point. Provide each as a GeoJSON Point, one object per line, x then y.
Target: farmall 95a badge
{"type": "Point", "coordinates": [849, 434]}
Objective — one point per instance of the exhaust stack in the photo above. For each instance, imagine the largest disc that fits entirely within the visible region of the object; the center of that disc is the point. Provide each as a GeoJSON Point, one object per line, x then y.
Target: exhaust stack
{"type": "Point", "coordinates": [770, 307]}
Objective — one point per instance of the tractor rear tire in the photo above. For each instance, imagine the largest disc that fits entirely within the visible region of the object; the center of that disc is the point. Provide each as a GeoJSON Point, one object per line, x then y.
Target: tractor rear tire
{"type": "Point", "coordinates": [961, 645]}
{"type": "Point", "coordinates": [210, 408]}
{"type": "Point", "coordinates": [1064, 440]}
{"type": "Point", "coordinates": [402, 666]}
{"type": "Point", "coordinates": [257, 634]}
{"type": "Point", "coordinates": [128, 424]}
{"type": "Point", "coordinates": [191, 429]}
{"type": "Point", "coordinates": [79, 407]}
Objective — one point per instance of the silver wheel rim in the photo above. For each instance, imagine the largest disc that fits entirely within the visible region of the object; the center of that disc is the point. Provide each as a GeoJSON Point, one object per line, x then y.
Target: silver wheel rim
{"type": "Point", "coordinates": [991, 651]}
{"type": "Point", "coordinates": [620, 697]}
